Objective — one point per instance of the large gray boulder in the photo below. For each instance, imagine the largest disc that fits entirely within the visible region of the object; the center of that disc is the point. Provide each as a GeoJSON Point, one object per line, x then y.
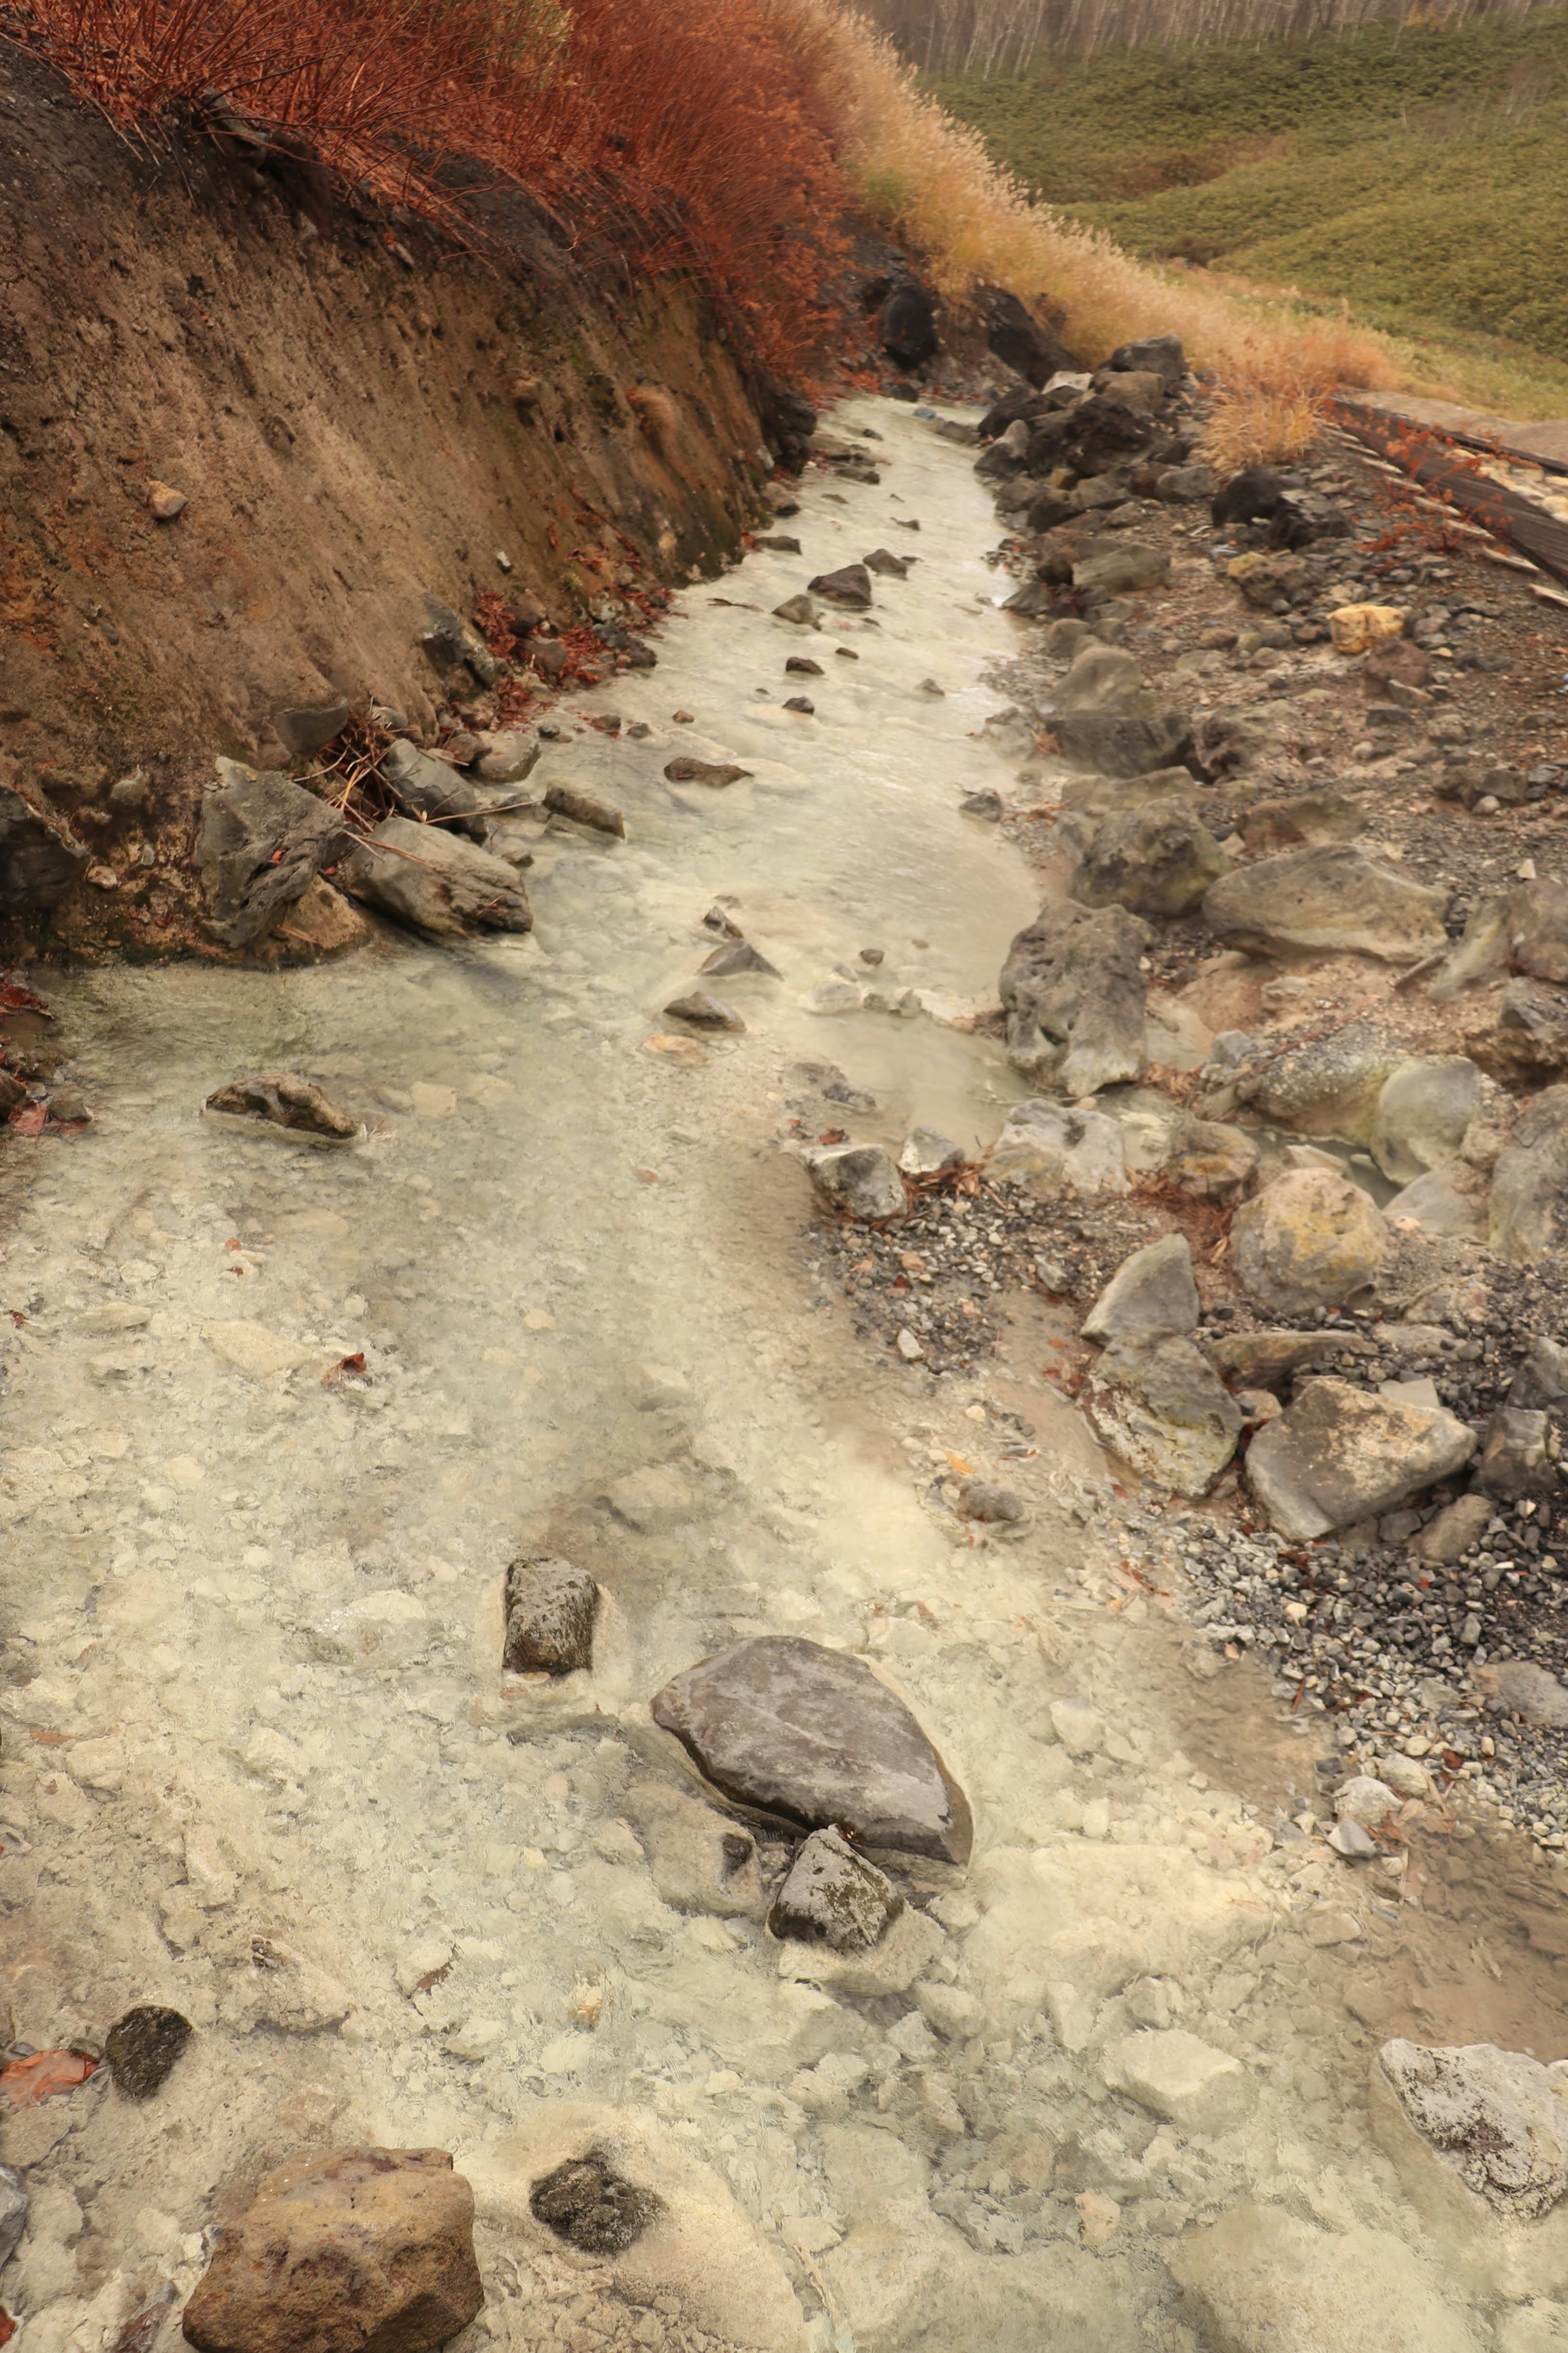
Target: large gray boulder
{"type": "Point", "coordinates": [1332, 899]}
{"type": "Point", "coordinates": [1528, 1207]}
{"type": "Point", "coordinates": [263, 840]}
{"type": "Point", "coordinates": [860, 1179]}
{"type": "Point", "coordinates": [811, 1737]}
{"type": "Point", "coordinates": [423, 787]}
{"type": "Point", "coordinates": [38, 859]}
{"type": "Point", "coordinates": [1325, 1086]}
{"type": "Point", "coordinates": [1056, 1148]}
{"type": "Point", "coordinates": [1338, 1454]}
{"type": "Point", "coordinates": [1151, 1294]}
{"type": "Point", "coordinates": [426, 878]}
{"type": "Point", "coordinates": [1157, 861]}
{"type": "Point", "coordinates": [1310, 1239]}
{"type": "Point", "coordinates": [1423, 1111]}
{"type": "Point", "coordinates": [1073, 994]}
{"type": "Point", "coordinates": [1159, 1405]}
{"type": "Point", "coordinates": [1105, 718]}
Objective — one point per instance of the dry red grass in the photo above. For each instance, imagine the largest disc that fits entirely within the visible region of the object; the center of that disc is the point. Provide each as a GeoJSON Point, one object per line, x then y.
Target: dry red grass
{"type": "Point", "coordinates": [691, 135]}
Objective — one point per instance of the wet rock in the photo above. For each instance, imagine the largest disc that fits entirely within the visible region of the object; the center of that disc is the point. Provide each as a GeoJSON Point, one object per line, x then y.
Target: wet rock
{"type": "Point", "coordinates": [1159, 1404]}
{"type": "Point", "coordinates": [994, 1506]}
{"type": "Point", "coordinates": [1156, 862]}
{"type": "Point", "coordinates": [322, 919]}
{"type": "Point", "coordinates": [1338, 1455]}
{"type": "Point", "coordinates": [508, 757]}
{"type": "Point", "coordinates": [282, 1099]}
{"type": "Point", "coordinates": [1328, 1085]}
{"type": "Point", "coordinates": [1310, 1239]}
{"type": "Point", "coordinates": [595, 2208]}
{"type": "Point", "coordinates": [927, 1154]}
{"type": "Point", "coordinates": [309, 729]}
{"type": "Point", "coordinates": [586, 809]}
{"type": "Point", "coordinates": [13, 2210]}
{"type": "Point", "coordinates": [1542, 1378]}
{"type": "Point", "coordinates": [1423, 1111]}
{"type": "Point", "coordinates": [1186, 2081]}
{"type": "Point", "coordinates": [432, 789]}
{"type": "Point", "coordinates": [1519, 1687]}
{"type": "Point", "coordinates": [1259, 2281]}
{"type": "Point", "coordinates": [985, 804]}
{"type": "Point", "coordinates": [716, 774]}
{"type": "Point", "coordinates": [1514, 1458]}
{"type": "Point", "coordinates": [1151, 1294]}
{"type": "Point", "coordinates": [812, 1736]}
{"type": "Point", "coordinates": [701, 1861]}
{"type": "Point", "coordinates": [1333, 900]}
{"type": "Point", "coordinates": [1449, 1534]}
{"type": "Point", "coordinates": [366, 2250]}
{"type": "Point", "coordinates": [850, 586]}
{"type": "Point", "coordinates": [788, 421]}
{"type": "Point", "coordinates": [1056, 1148]}
{"type": "Point", "coordinates": [890, 566]}
{"type": "Point", "coordinates": [426, 878]}
{"type": "Point", "coordinates": [801, 703]}
{"type": "Point", "coordinates": [906, 325]}
{"type": "Point", "coordinates": [142, 2047]}
{"type": "Point", "coordinates": [450, 644]}
{"type": "Point", "coordinates": [802, 666]}
{"type": "Point", "coordinates": [860, 1179]}
{"type": "Point", "coordinates": [1528, 1214]}
{"type": "Point", "coordinates": [799, 610]}
{"type": "Point", "coordinates": [740, 955]}
{"type": "Point", "coordinates": [835, 1896]}
{"type": "Point", "coordinates": [1007, 455]}
{"type": "Point", "coordinates": [1073, 993]}
{"type": "Point", "coordinates": [1209, 1160]}
{"type": "Point", "coordinates": [263, 838]}
{"type": "Point", "coordinates": [704, 1011]}
{"type": "Point", "coordinates": [552, 1607]}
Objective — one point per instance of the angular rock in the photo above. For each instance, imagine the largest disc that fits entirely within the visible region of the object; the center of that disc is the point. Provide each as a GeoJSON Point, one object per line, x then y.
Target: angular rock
{"type": "Point", "coordinates": [739, 955]}
{"type": "Point", "coordinates": [1303, 821]}
{"type": "Point", "coordinates": [1328, 1086]}
{"type": "Point", "coordinates": [704, 1011]}
{"type": "Point", "coordinates": [309, 729]}
{"type": "Point", "coordinates": [1186, 486]}
{"type": "Point", "coordinates": [1269, 1360]}
{"type": "Point", "coordinates": [283, 1100]}
{"type": "Point", "coordinates": [1310, 1239]}
{"type": "Point", "coordinates": [811, 1735]}
{"type": "Point", "coordinates": [1338, 1455]}
{"type": "Point", "coordinates": [1440, 1206]}
{"type": "Point", "coordinates": [263, 838]}
{"type": "Point", "coordinates": [1365, 1801]}
{"type": "Point", "coordinates": [1138, 388]}
{"type": "Point", "coordinates": [1333, 900]}
{"type": "Point", "coordinates": [1251, 496]}
{"type": "Point", "coordinates": [717, 774]}
{"type": "Point", "coordinates": [1162, 353]}
{"type": "Point", "coordinates": [1151, 1295]}
{"type": "Point", "coordinates": [1542, 1378]}
{"type": "Point", "coordinates": [1423, 1111]}
{"type": "Point", "coordinates": [424, 878]}
{"type": "Point", "coordinates": [450, 641]}
{"type": "Point", "coordinates": [927, 1154]}
{"type": "Point", "coordinates": [1187, 2082]}
{"type": "Point", "coordinates": [1450, 1533]}
{"type": "Point", "coordinates": [1513, 1461]}
{"type": "Point", "coordinates": [1055, 1148]}
{"type": "Point", "coordinates": [1125, 570]}
{"type": "Point", "coordinates": [1159, 1405]}
{"type": "Point", "coordinates": [508, 756]}
{"type": "Point", "coordinates": [1073, 993]}
{"type": "Point", "coordinates": [890, 566]}
{"type": "Point", "coordinates": [366, 2250]}
{"type": "Point", "coordinates": [1257, 2281]}
{"type": "Point", "coordinates": [1091, 438]}
{"type": "Point", "coordinates": [1156, 862]}
{"type": "Point", "coordinates": [1519, 1687]}
{"type": "Point", "coordinates": [1498, 2119]}
{"type": "Point", "coordinates": [1268, 580]}
{"type": "Point", "coordinates": [13, 2210]}
{"type": "Point", "coordinates": [586, 808]}
{"type": "Point", "coordinates": [1530, 1043]}
{"type": "Point", "coordinates": [551, 1608]}
{"type": "Point", "coordinates": [799, 610]}
{"type": "Point", "coordinates": [859, 1178]}
{"type": "Point", "coordinates": [142, 2048]}
{"type": "Point", "coordinates": [1209, 1160]}
{"type": "Point", "coordinates": [835, 1896]}
{"type": "Point", "coordinates": [1528, 1213]}
{"type": "Point", "coordinates": [850, 586]}
{"type": "Point", "coordinates": [1356, 629]}
{"type": "Point", "coordinates": [906, 325]}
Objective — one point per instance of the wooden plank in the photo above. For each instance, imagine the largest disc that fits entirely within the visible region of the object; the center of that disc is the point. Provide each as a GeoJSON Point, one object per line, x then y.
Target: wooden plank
{"type": "Point", "coordinates": [1425, 455]}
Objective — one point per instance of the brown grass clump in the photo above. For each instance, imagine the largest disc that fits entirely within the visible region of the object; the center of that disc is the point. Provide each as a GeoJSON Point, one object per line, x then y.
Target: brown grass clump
{"type": "Point", "coordinates": [655, 412]}
{"type": "Point", "coordinates": [1250, 426]}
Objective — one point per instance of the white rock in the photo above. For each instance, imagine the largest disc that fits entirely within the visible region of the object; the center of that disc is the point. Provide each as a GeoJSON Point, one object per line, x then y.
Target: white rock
{"type": "Point", "coordinates": [950, 2011]}
{"type": "Point", "coordinates": [1404, 1776]}
{"type": "Point", "coordinates": [1263, 2282]}
{"type": "Point", "coordinates": [1056, 1148]}
{"type": "Point", "coordinates": [1366, 1802]}
{"type": "Point", "coordinates": [1187, 2082]}
{"type": "Point", "coordinates": [1079, 1727]}
{"type": "Point", "coordinates": [251, 1349]}
{"type": "Point", "coordinates": [426, 1957]}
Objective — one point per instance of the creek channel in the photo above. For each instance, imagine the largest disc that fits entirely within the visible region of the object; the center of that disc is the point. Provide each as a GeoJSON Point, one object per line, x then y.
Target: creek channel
{"type": "Point", "coordinates": [260, 1759]}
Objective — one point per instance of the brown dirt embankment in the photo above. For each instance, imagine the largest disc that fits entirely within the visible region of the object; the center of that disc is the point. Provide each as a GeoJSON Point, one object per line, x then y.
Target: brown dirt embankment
{"type": "Point", "coordinates": [334, 394]}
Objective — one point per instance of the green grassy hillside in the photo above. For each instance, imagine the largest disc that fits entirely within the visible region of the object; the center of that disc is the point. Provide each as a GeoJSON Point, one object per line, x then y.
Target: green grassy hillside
{"type": "Point", "coordinates": [1419, 173]}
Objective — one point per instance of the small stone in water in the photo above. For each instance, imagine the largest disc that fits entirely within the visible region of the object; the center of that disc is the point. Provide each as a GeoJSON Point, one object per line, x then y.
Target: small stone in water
{"type": "Point", "coordinates": [834, 1896]}
{"type": "Point", "coordinates": [586, 2203]}
{"type": "Point", "coordinates": [803, 666]}
{"type": "Point", "coordinates": [703, 1011]}
{"type": "Point", "coordinates": [550, 1609]}
{"type": "Point", "coordinates": [978, 1500]}
{"type": "Point", "coordinates": [714, 773]}
{"type": "Point", "coordinates": [586, 808]}
{"type": "Point", "coordinates": [801, 703]}
{"type": "Point", "coordinates": [739, 955]}
{"type": "Point", "coordinates": [282, 1099]}
{"type": "Point", "coordinates": [872, 955]}
{"type": "Point", "coordinates": [142, 2048]}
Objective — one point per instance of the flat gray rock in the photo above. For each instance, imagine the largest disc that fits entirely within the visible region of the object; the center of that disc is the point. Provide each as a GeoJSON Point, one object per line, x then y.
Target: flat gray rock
{"type": "Point", "coordinates": [1528, 1213]}
{"type": "Point", "coordinates": [850, 586]}
{"type": "Point", "coordinates": [436, 884]}
{"type": "Point", "coordinates": [1151, 1293]}
{"type": "Point", "coordinates": [1332, 899]}
{"type": "Point", "coordinates": [1338, 1454]}
{"type": "Point", "coordinates": [1159, 1404]}
{"type": "Point", "coordinates": [310, 728]}
{"type": "Point", "coordinates": [423, 787]}
{"type": "Point", "coordinates": [263, 840]}
{"type": "Point", "coordinates": [811, 1735]}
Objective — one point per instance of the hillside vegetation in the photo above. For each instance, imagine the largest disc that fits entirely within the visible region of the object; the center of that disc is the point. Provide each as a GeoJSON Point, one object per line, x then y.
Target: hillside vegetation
{"type": "Point", "coordinates": [1419, 173]}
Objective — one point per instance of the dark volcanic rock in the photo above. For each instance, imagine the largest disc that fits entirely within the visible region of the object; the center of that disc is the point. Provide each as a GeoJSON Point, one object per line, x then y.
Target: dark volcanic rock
{"type": "Point", "coordinates": [552, 1607]}
{"type": "Point", "coordinates": [586, 2203]}
{"type": "Point", "coordinates": [1018, 338]}
{"type": "Point", "coordinates": [141, 2048]}
{"type": "Point", "coordinates": [38, 859]}
{"type": "Point", "coordinates": [422, 875]}
{"type": "Point", "coordinates": [811, 1735]}
{"type": "Point", "coordinates": [788, 421]}
{"type": "Point", "coordinates": [366, 2250]}
{"type": "Point", "coordinates": [1073, 994]}
{"type": "Point", "coordinates": [423, 787]}
{"type": "Point", "coordinates": [263, 840]}
{"type": "Point", "coordinates": [716, 772]}
{"type": "Point", "coordinates": [835, 1896]}
{"type": "Point", "coordinates": [282, 1099]}
{"type": "Point", "coordinates": [850, 586]}
{"type": "Point", "coordinates": [906, 325]}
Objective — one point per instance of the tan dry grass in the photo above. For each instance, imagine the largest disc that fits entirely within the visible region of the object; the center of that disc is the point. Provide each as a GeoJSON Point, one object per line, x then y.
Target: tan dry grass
{"type": "Point", "coordinates": [931, 180]}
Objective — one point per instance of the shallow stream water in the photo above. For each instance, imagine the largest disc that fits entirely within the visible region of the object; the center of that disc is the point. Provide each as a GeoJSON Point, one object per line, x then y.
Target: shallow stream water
{"type": "Point", "coordinates": [260, 1760]}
